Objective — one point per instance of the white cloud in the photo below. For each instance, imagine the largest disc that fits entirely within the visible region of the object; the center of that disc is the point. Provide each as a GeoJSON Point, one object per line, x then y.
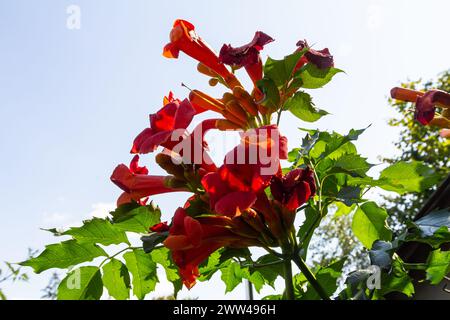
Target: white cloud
{"type": "Point", "coordinates": [101, 209]}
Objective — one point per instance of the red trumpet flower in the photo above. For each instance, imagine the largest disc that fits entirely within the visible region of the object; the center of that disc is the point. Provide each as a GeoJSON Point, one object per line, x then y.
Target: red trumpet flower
{"type": "Point", "coordinates": [322, 59]}
{"type": "Point", "coordinates": [174, 115]}
{"type": "Point", "coordinates": [293, 189]}
{"type": "Point", "coordinates": [184, 38]}
{"type": "Point", "coordinates": [247, 55]}
{"type": "Point", "coordinates": [191, 242]}
{"type": "Point", "coordinates": [247, 170]}
{"type": "Point", "coordinates": [426, 105]}
{"type": "Point", "coordinates": [425, 102]}
{"type": "Point", "coordinates": [136, 184]}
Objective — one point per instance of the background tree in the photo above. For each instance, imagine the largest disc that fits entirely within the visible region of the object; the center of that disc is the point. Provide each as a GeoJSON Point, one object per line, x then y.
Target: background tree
{"type": "Point", "coordinates": [419, 143]}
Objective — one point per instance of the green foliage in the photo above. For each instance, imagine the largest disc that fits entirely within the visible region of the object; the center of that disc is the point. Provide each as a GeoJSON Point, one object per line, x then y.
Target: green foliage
{"type": "Point", "coordinates": [403, 177]}
{"type": "Point", "coordinates": [232, 275]}
{"type": "Point", "coordinates": [116, 279]}
{"type": "Point", "coordinates": [327, 277]}
{"type": "Point", "coordinates": [417, 143]}
{"type": "Point", "coordinates": [397, 280]}
{"type": "Point", "coordinates": [63, 255]}
{"type": "Point", "coordinates": [438, 266]}
{"type": "Point", "coordinates": [281, 71]}
{"type": "Point", "coordinates": [99, 231]}
{"type": "Point", "coordinates": [84, 283]}
{"type": "Point", "coordinates": [143, 270]}
{"type": "Point", "coordinates": [313, 78]}
{"type": "Point", "coordinates": [138, 219]}
{"type": "Point", "coordinates": [342, 181]}
{"type": "Point", "coordinates": [301, 106]}
{"type": "Point", "coordinates": [369, 224]}
{"type": "Point", "coordinates": [271, 93]}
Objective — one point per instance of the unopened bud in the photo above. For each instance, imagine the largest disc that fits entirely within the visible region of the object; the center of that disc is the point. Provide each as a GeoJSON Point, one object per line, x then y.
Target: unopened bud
{"type": "Point", "coordinates": [168, 163]}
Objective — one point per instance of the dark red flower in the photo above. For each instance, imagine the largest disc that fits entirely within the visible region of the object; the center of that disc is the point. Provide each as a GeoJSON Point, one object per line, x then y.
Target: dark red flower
{"type": "Point", "coordinates": [136, 184]}
{"type": "Point", "coordinates": [184, 38]}
{"type": "Point", "coordinates": [247, 55]}
{"type": "Point", "coordinates": [293, 189]}
{"type": "Point", "coordinates": [247, 170]}
{"type": "Point", "coordinates": [160, 227]}
{"type": "Point", "coordinates": [174, 115]}
{"type": "Point", "coordinates": [426, 105]}
{"type": "Point", "coordinates": [322, 59]}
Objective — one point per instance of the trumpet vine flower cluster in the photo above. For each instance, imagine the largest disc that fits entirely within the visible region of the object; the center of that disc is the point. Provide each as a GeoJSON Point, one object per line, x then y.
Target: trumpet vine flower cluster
{"type": "Point", "coordinates": [229, 206]}
{"type": "Point", "coordinates": [248, 199]}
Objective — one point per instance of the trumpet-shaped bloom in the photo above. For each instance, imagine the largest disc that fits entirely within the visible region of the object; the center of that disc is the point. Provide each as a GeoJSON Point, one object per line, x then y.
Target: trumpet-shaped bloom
{"type": "Point", "coordinates": [184, 38]}
{"type": "Point", "coordinates": [137, 184]}
{"type": "Point", "coordinates": [247, 170]}
{"type": "Point", "coordinates": [426, 105]}
{"type": "Point", "coordinates": [247, 55]}
{"type": "Point", "coordinates": [322, 59]}
{"type": "Point", "coordinates": [294, 189]}
{"type": "Point", "coordinates": [191, 242]}
{"type": "Point", "coordinates": [174, 115]}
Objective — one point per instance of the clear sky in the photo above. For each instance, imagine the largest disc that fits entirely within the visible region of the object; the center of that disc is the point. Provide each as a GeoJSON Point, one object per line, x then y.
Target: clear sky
{"type": "Point", "coordinates": [71, 101]}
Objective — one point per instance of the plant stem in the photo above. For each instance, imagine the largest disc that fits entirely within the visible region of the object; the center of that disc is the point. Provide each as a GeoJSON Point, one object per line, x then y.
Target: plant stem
{"type": "Point", "coordinates": [289, 290]}
{"type": "Point", "coordinates": [415, 266]}
{"type": "Point", "coordinates": [278, 117]}
{"type": "Point", "coordinates": [116, 254]}
{"type": "Point", "coordinates": [310, 277]}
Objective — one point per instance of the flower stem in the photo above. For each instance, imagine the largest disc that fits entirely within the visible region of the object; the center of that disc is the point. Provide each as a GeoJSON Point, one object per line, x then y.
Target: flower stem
{"type": "Point", "coordinates": [289, 290]}
{"type": "Point", "coordinates": [310, 277]}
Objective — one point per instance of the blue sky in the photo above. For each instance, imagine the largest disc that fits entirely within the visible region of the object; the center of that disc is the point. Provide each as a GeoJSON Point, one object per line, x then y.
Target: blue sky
{"type": "Point", "coordinates": [71, 101]}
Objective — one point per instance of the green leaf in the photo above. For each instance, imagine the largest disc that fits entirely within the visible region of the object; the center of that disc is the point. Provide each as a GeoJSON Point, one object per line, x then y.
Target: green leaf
{"type": "Point", "coordinates": [433, 221]}
{"type": "Point", "coordinates": [143, 270]}
{"type": "Point", "coordinates": [273, 297]}
{"type": "Point", "coordinates": [334, 145]}
{"type": "Point", "coordinates": [349, 195]}
{"type": "Point", "coordinates": [162, 257]}
{"type": "Point", "coordinates": [397, 280]}
{"type": "Point", "coordinates": [404, 177]}
{"type": "Point", "coordinates": [228, 253]}
{"type": "Point", "coordinates": [116, 279]}
{"type": "Point", "coordinates": [281, 71]}
{"type": "Point", "coordinates": [2, 295]}
{"type": "Point", "coordinates": [352, 164]}
{"type": "Point", "coordinates": [63, 255]}
{"type": "Point", "coordinates": [312, 217]}
{"type": "Point", "coordinates": [268, 272]}
{"type": "Point", "coordinates": [326, 276]}
{"type": "Point", "coordinates": [271, 94]}
{"type": "Point", "coordinates": [84, 283]}
{"type": "Point", "coordinates": [99, 231]}
{"type": "Point", "coordinates": [369, 224]}
{"type": "Point", "coordinates": [438, 266]}
{"type": "Point", "coordinates": [313, 78]}
{"type": "Point", "coordinates": [301, 106]}
{"type": "Point", "coordinates": [439, 237]}
{"type": "Point", "coordinates": [151, 241]}
{"type": "Point", "coordinates": [342, 209]}
{"type": "Point", "coordinates": [232, 275]}
{"type": "Point", "coordinates": [137, 220]}
{"type": "Point", "coordinates": [210, 266]}
{"type": "Point", "coordinates": [381, 255]}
